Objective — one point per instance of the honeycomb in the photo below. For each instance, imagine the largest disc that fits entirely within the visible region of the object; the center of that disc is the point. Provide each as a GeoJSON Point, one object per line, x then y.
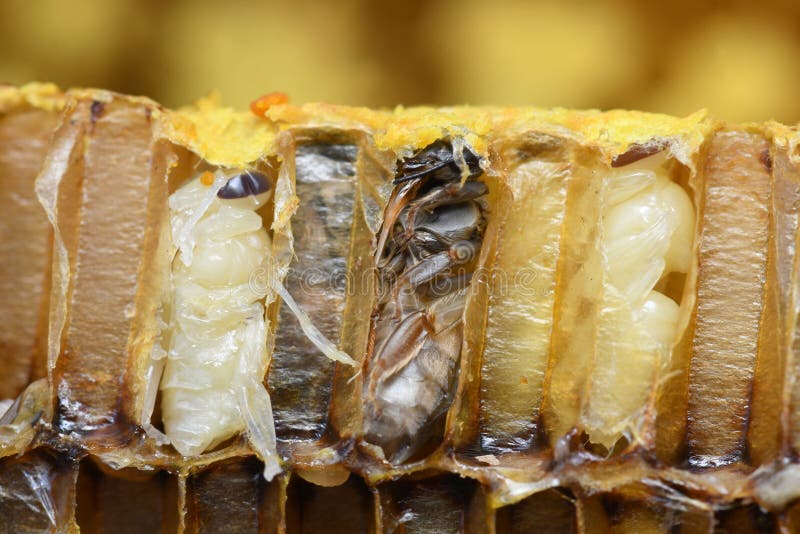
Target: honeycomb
{"type": "Point", "coordinates": [560, 321]}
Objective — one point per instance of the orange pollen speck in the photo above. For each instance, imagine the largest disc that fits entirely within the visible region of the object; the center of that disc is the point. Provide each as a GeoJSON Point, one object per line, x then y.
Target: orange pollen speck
{"type": "Point", "coordinates": [260, 105]}
{"type": "Point", "coordinates": [207, 178]}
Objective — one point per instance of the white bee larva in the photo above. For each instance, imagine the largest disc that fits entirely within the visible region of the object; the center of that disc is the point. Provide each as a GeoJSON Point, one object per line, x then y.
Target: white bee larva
{"type": "Point", "coordinates": [213, 352]}
{"type": "Point", "coordinates": [647, 229]}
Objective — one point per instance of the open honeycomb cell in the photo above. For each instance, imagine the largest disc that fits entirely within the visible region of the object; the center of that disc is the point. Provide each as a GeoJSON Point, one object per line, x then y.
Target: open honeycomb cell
{"type": "Point", "coordinates": [112, 501]}
{"type": "Point", "coordinates": [233, 496]}
{"type": "Point", "coordinates": [349, 507]}
{"type": "Point", "coordinates": [328, 319]}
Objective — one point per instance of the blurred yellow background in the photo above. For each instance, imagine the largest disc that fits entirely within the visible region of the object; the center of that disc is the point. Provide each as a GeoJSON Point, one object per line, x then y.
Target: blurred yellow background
{"type": "Point", "coordinates": [741, 60]}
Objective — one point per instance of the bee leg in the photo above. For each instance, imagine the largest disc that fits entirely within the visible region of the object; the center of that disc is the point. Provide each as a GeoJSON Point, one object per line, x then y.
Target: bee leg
{"type": "Point", "coordinates": [426, 270]}
{"type": "Point", "coordinates": [397, 203]}
{"type": "Point", "coordinates": [421, 273]}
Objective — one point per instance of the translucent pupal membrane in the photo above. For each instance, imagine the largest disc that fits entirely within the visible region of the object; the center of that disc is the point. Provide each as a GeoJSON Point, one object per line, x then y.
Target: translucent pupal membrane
{"type": "Point", "coordinates": [510, 318]}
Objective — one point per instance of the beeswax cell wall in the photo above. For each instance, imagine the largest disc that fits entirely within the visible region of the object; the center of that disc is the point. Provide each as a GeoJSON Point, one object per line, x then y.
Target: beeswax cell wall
{"type": "Point", "coordinates": [25, 240]}
{"type": "Point", "coordinates": [733, 261]}
{"type": "Point", "coordinates": [105, 150]}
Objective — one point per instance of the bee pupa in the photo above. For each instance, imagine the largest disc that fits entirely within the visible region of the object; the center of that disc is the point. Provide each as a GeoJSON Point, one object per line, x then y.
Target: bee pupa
{"type": "Point", "coordinates": [214, 346]}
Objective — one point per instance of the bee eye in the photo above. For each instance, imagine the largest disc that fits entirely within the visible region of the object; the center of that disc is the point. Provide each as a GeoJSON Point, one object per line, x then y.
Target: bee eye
{"type": "Point", "coordinates": [436, 161]}
{"type": "Point", "coordinates": [243, 185]}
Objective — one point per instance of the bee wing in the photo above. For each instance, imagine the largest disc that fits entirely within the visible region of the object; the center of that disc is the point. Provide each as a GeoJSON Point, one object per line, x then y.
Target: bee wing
{"type": "Point", "coordinates": [399, 348]}
{"type": "Point", "coordinates": [436, 362]}
{"type": "Point", "coordinates": [420, 170]}
{"type": "Point", "coordinates": [415, 391]}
